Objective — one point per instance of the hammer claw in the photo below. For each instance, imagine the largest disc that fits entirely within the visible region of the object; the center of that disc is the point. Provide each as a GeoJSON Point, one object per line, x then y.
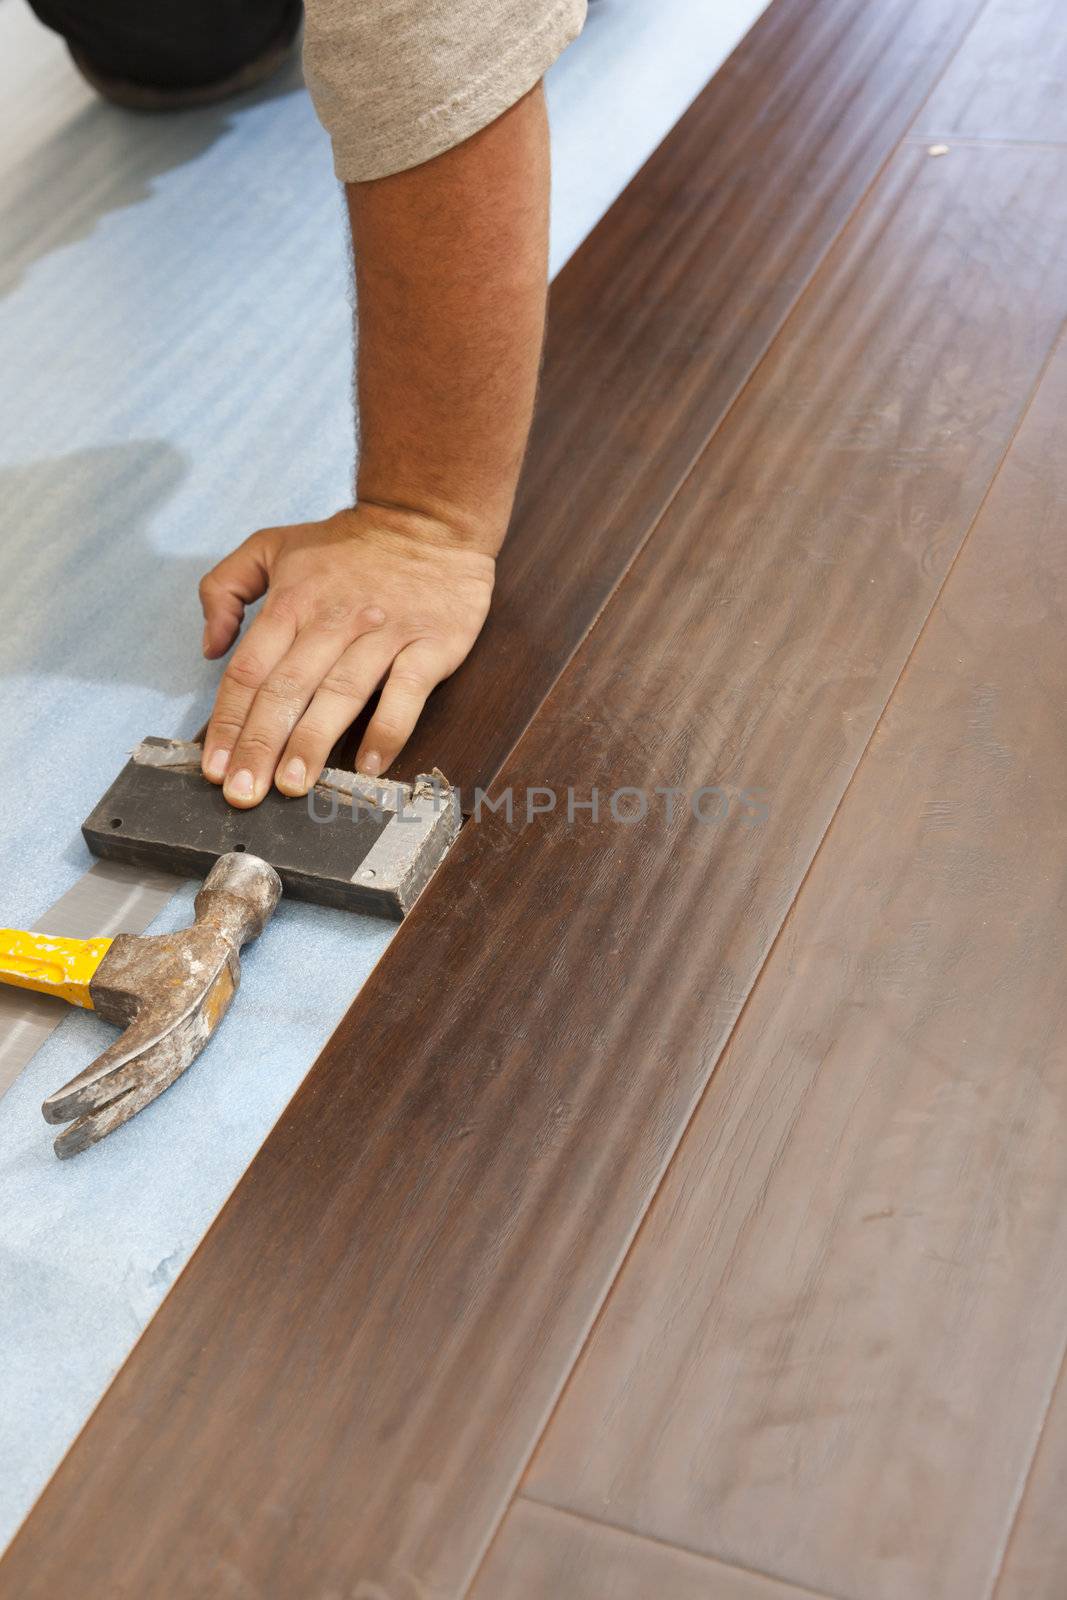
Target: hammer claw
{"type": "Point", "coordinates": [155, 1047]}
{"type": "Point", "coordinates": [138, 1079]}
{"type": "Point", "coordinates": [170, 991]}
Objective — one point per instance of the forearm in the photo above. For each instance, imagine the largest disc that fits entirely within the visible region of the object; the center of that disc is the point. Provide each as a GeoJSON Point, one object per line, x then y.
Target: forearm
{"type": "Point", "coordinates": [451, 270]}
{"type": "Point", "coordinates": [451, 274]}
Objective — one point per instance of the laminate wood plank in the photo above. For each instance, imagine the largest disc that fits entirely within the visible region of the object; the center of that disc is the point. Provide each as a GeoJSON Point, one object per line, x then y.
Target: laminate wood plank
{"type": "Point", "coordinates": [830, 1353]}
{"type": "Point", "coordinates": [541, 1553]}
{"type": "Point", "coordinates": [346, 1381]}
{"type": "Point", "coordinates": [659, 319]}
{"type": "Point", "coordinates": [1009, 79]}
{"type": "Point", "coordinates": [1035, 1567]}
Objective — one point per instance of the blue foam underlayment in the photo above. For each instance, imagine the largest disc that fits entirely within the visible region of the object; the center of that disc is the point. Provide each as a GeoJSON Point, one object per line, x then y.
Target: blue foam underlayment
{"type": "Point", "coordinates": [175, 359]}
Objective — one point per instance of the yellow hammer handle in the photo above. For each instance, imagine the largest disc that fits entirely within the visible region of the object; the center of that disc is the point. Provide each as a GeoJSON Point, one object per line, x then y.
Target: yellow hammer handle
{"type": "Point", "coordinates": [51, 965]}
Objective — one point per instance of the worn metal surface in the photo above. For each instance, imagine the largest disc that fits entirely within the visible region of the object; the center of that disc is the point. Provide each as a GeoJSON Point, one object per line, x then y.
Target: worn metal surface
{"type": "Point", "coordinates": [357, 843]}
{"type": "Point", "coordinates": [169, 992]}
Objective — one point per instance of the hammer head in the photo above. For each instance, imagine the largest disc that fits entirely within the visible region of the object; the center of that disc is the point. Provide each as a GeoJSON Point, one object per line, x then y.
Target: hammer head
{"type": "Point", "coordinates": [169, 992]}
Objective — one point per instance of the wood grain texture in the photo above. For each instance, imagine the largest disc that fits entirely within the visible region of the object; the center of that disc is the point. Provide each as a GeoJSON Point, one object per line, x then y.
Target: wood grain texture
{"type": "Point", "coordinates": [830, 1354]}
{"type": "Point", "coordinates": [1035, 1567]}
{"type": "Point", "coordinates": [1009, 79]}
{"type": "Point", "coordinates": [543, 1554]}
{"type": "Point", "coordinates": [659, 319]}
{"type": "Point", "coordinates": [350, 1374]}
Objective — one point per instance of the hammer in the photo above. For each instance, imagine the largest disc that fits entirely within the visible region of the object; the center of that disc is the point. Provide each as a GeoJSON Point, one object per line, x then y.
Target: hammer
{"type": "Point", "coordinates": [169, 992]}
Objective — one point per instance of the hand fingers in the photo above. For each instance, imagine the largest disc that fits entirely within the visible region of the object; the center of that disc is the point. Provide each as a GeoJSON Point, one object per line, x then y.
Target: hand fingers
{"type": "Point", "coordinates": [258, 653]}
{"type": "Point", "coordinates": [225, 591]}
{"type": "Point", "coordinates": [280, 702]}
{"type": "Point", "coordinates": [416, 671]}
{"type": "Point", "coordinates": [339, 699]}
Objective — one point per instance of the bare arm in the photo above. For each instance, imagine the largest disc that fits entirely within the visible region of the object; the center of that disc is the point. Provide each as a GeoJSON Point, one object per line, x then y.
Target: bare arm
{"type": "Point", "coordinates": [451, 273]}
{"type": "Point", "coordinates": [451, 269]}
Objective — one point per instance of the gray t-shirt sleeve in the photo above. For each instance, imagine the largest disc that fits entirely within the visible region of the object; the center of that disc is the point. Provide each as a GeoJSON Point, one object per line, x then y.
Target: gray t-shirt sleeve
{"type": "Point", "coordinates": [397, 81]}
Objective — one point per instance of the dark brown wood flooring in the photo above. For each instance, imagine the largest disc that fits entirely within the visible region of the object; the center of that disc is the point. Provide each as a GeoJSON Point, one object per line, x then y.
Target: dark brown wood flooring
{"type": "Point", "coordinates": [862, 1236]}
{"type": "Point", "coordinates": [679, 1209]}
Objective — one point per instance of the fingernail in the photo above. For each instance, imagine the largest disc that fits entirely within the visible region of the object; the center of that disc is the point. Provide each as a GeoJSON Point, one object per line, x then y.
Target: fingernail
{"type": "Point", "coordinates": [295, 774]}
{"type": "Point", "coordinates": [241, 786]}
{"type": "Point", "coordinates": [371, 764]}
{"type": "Point", "coordinates": [216, 764]}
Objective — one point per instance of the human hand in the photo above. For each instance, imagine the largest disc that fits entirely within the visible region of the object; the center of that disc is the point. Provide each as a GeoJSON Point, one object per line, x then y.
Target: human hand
{"type": "Point", "coordinates": [369, 596]}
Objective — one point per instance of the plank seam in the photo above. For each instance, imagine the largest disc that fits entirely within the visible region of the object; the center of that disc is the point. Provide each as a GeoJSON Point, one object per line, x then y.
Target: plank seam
{"type": "Point", "coordinates": [681, 1549]}
{"type": "Point", "coordinates": [1027, 1478]}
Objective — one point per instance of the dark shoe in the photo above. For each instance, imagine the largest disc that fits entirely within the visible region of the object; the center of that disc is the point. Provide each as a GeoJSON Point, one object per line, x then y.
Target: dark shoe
{"type": "Point", "coordinates": [194, 57]}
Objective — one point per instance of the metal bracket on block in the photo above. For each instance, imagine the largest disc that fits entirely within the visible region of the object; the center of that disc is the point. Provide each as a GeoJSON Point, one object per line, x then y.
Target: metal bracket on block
{"type": "Point", "coordinates": [363, 844]}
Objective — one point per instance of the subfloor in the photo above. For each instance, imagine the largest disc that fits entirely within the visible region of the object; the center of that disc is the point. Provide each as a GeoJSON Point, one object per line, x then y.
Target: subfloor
{"type": "Point", "coordinates": [679, 1210]}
